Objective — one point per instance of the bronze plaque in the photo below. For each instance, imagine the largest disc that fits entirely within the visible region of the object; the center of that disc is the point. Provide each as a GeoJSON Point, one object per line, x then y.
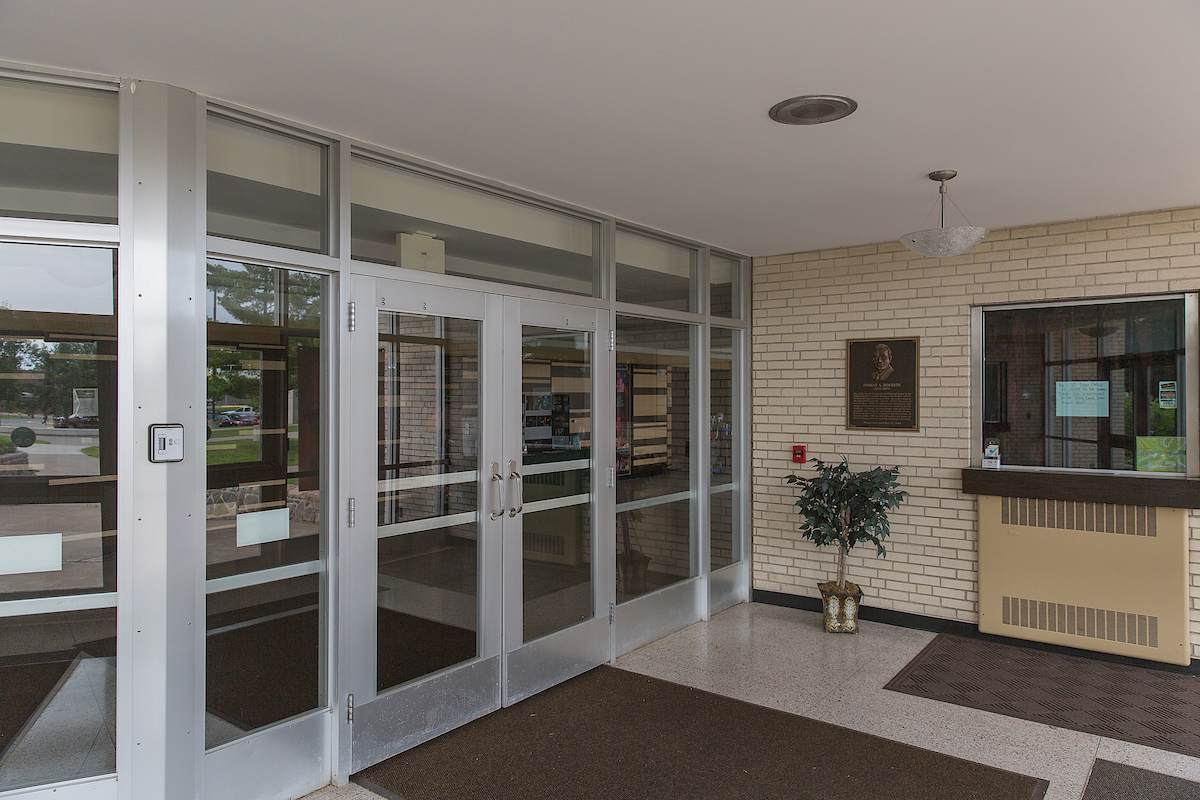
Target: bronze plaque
{"type": "Point", "coordinates": [882, 384]}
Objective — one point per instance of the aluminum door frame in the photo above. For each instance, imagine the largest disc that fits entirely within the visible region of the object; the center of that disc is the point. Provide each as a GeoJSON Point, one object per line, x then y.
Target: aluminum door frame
{"type": "Point", "coordinates": [383, 724]}
{"type": "Point", "coordinates": [530, 667]}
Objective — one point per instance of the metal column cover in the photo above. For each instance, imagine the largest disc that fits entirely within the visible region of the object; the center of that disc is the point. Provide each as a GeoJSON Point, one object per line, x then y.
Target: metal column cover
{"type": "Point", "coordinates": [160, 691]}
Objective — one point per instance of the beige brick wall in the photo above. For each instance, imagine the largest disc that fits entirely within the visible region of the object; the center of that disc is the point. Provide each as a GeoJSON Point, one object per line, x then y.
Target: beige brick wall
{"type": "Point", "coordinates": [807, 304]}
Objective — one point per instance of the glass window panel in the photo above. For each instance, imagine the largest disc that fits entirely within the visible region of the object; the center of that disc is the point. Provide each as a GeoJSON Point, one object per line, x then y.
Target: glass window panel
{"type": "Point", "coordinates": [1089, 387]}
{"type": "Point", "coordinates": [58, 521]}
{"type": "Point", "coordinates": [58, 152]}
{"type": "Point", "coordinates": [266, 187]}
{"type": "Point", "coordinates": [725, 281]}
{"type": "Point", "coordinates": [651, 272]}
{"type": "Point", "coordinates": [264, 503]}
{"type": "Point", "coordinates": [427, 500]}
{"type": "Point", "coordinates": [556, 426]}
{"type": "Point", "coordinates": [725, 477]}
{"type": "Point", "coordinates": [653, 385]}
{"type": "Point", "coordinates": [418, 222]}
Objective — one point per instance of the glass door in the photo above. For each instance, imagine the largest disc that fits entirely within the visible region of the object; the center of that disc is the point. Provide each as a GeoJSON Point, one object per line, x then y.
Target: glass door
{"type": "Point", "coordinates": [556, 617]}
{"type": "Point", "coordinates": [470, 567]}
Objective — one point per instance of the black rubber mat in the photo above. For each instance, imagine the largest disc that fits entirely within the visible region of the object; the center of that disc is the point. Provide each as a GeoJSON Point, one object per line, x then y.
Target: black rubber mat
{"type": "Point", "coordinates": [1110, 781]}
{"type": "Point", "coordinates": [615, 734]}
{"type": "Point", "coordinates": [1146, 706]}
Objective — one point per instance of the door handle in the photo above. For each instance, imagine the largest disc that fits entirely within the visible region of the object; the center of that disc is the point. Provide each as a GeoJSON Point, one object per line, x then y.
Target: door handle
{"type": "Point", "coordinates": [515, 477]}
{"type": "Point", "coordinates": [498, 491]}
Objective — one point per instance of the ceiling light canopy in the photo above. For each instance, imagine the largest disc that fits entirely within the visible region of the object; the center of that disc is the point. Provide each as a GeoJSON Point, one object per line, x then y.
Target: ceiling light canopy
{"type": "Point", "coordinates": [812, 109]}
{"type": "Point", "coordinates": [943, 242]}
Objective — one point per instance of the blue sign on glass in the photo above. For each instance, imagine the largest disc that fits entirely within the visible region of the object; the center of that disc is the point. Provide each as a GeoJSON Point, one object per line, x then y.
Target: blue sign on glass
{"type": "Point", "coordinates": [1081, 399]}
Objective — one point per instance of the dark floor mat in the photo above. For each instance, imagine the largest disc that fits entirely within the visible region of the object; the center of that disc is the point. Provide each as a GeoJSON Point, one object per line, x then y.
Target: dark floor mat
{"type": "Point", "coordinates": [612, 733]}
{"type": "Point", "coordinates": [409, 647]}
{"type": "Point", "coordinates": [456, 569]}
{"type": "Point", "coordinates": [263, 672]}
{"type": "Point", "coordinates": [1111, 781]}
{"type": "Point", "coordinates": [1146, 706]}
{"type": "Point", "coordinates": [23, 687]}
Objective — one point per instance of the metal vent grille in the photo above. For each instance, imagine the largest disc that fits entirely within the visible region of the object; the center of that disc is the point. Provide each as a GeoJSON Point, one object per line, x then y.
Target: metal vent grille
{"type": "Point", "coordinates": [1093, 623]}
{"type": "Point", "coordinates": [1076, 516]}
{"type": "Point", "coordinates": [546, 544]}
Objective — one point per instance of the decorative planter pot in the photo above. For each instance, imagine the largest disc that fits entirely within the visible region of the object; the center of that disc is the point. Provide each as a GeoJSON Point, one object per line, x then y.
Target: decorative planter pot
{"type": "Point", "coordinates": [841, 606]}
{"type": "Point", "coordinates": [632, 568]}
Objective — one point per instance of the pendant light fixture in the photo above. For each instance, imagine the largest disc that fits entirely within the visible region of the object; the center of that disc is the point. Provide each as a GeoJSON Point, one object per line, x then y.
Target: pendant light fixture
{"type": "Point", "coordinates": [943, 242]}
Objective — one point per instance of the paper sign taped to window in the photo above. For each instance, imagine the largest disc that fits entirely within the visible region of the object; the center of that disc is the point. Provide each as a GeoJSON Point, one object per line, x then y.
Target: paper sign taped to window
{"type": "Point", "coordinates": [259, 527]}
{"type": "Point", "coordinates": [1081, 399]}
{"type": "Point", "coordinates": [37, 552]}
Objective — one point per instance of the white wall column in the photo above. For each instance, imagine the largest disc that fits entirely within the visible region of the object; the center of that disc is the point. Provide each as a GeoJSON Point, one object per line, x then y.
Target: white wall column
{"type": "Point", "coordinates": [161, 550]}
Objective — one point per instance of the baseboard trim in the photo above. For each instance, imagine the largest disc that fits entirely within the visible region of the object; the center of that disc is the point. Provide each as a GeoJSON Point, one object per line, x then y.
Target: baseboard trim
{"type": "Point", "coordinates": [902, 619]}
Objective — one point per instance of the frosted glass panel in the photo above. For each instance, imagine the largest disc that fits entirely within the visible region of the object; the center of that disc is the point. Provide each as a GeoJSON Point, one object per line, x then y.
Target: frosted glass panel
{"type": "Point", "coordinates": [265, 186]}
{"type": "Point", "coordinates": [654, 273]}
{"type": "Point", "coordinates": [58, 152]}
{"type": "Point", "coordinates": [418, 222]}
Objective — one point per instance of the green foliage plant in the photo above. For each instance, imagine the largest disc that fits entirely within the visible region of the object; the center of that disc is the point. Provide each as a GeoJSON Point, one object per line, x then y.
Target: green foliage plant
{"type": "Point", "coordinates": [841, 507]}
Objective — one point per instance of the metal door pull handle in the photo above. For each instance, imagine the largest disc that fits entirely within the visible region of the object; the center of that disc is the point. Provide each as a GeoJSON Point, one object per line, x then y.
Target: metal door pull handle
{"type": "Point", "coordinates": [515, 477]}
{"type": "Point", "coordinates": [498, 494]}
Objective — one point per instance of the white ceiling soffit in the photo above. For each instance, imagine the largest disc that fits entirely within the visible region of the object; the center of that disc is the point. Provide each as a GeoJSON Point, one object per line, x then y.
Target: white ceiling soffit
{"type": "Point", "coordinates": [656, 112]}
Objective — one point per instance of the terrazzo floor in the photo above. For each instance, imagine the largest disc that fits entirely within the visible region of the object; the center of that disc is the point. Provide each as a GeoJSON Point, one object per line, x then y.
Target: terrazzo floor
{"type": "Point", "coordinates": [781, 658]}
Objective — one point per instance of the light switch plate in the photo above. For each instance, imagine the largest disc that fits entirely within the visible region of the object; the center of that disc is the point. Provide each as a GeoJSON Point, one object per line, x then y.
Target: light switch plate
{"type": "Point", "coordinates": [166, 443]}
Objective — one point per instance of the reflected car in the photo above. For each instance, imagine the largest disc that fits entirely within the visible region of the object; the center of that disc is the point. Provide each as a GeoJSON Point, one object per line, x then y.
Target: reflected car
{"type": "Point", "coordinates": [244, 417]}
{"type": "Point", "coordinates": [76, 421]}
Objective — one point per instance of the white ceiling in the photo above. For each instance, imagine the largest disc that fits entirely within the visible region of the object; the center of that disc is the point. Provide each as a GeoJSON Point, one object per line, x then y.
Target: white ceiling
{"type": "Point", "coordinates": [655, 111]}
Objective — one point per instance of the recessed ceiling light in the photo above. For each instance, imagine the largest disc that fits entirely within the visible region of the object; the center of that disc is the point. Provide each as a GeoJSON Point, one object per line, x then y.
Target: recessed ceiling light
{"type": "Point", "coordinates": [813, 109]}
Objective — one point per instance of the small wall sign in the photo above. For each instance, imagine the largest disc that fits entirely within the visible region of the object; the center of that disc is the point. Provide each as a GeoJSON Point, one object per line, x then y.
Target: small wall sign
{"type": "Point", "coordinates": [1167, 394]}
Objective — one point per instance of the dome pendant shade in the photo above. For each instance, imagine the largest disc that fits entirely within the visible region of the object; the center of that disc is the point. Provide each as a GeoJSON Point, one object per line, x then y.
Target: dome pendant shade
{"type": "Point", "coordinates": [943, 242]}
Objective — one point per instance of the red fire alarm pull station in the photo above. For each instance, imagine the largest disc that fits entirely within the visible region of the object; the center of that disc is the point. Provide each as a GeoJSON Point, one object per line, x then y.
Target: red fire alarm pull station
{"type": "Point", "coordinates": [799, 454]}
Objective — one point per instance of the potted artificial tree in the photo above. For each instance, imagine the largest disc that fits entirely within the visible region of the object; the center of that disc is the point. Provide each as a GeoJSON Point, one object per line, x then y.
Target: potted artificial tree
{"type": "Point", "coordinates": [844, 508]}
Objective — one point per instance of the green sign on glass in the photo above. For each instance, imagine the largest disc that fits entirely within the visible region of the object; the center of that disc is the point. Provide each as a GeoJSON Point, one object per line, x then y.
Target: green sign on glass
{"type": "Point", "coordinates": [1161, 454]}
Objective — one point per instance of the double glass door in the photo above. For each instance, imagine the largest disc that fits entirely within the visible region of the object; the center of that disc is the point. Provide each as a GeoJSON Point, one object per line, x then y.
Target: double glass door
{"type": "Point", "coordinates": [475, 506]}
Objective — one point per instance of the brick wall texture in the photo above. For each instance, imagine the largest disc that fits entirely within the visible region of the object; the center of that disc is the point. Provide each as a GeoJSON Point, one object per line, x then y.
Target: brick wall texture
{"type": "Point", "coordinates": [806, 305]}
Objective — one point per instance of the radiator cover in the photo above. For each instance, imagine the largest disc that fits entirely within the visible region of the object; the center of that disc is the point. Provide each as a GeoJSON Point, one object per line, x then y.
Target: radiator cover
{"type": "Point", "coordinates": [1094, 576]}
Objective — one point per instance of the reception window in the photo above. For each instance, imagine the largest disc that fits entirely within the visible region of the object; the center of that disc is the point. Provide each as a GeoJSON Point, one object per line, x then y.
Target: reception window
{"type": "Point", "coordinates": [1098, 386]}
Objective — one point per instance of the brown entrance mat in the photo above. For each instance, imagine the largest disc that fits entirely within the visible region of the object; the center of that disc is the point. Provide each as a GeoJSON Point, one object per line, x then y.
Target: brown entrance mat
{"type": "Point", "coordinates": [1134, 704]}
{"type": "Point", "coordinates": [267, 671]}
{"type": "Point", "coordinates": [612, 733]}
{"type": "Point", "coordinates": [1110, 781]}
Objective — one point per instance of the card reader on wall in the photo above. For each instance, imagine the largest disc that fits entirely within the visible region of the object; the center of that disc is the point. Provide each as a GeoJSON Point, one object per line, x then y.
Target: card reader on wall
{"type": "Point", "coordinates": [166, 443]}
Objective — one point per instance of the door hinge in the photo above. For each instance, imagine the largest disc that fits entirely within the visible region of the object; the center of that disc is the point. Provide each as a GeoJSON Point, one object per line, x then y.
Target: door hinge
{"type": "Point", "coordinates": [349, 708]}
{"type": "Point", "coordinates": [612, 341]}
{"type": "Point", "coordinates": [612, 477]}
{"type": "Point", "coordinates": [350, 513]}
{"type": "Point", "coordinates": [612, 613]}
{"type": "Point", "coordinates": [350, 316]}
